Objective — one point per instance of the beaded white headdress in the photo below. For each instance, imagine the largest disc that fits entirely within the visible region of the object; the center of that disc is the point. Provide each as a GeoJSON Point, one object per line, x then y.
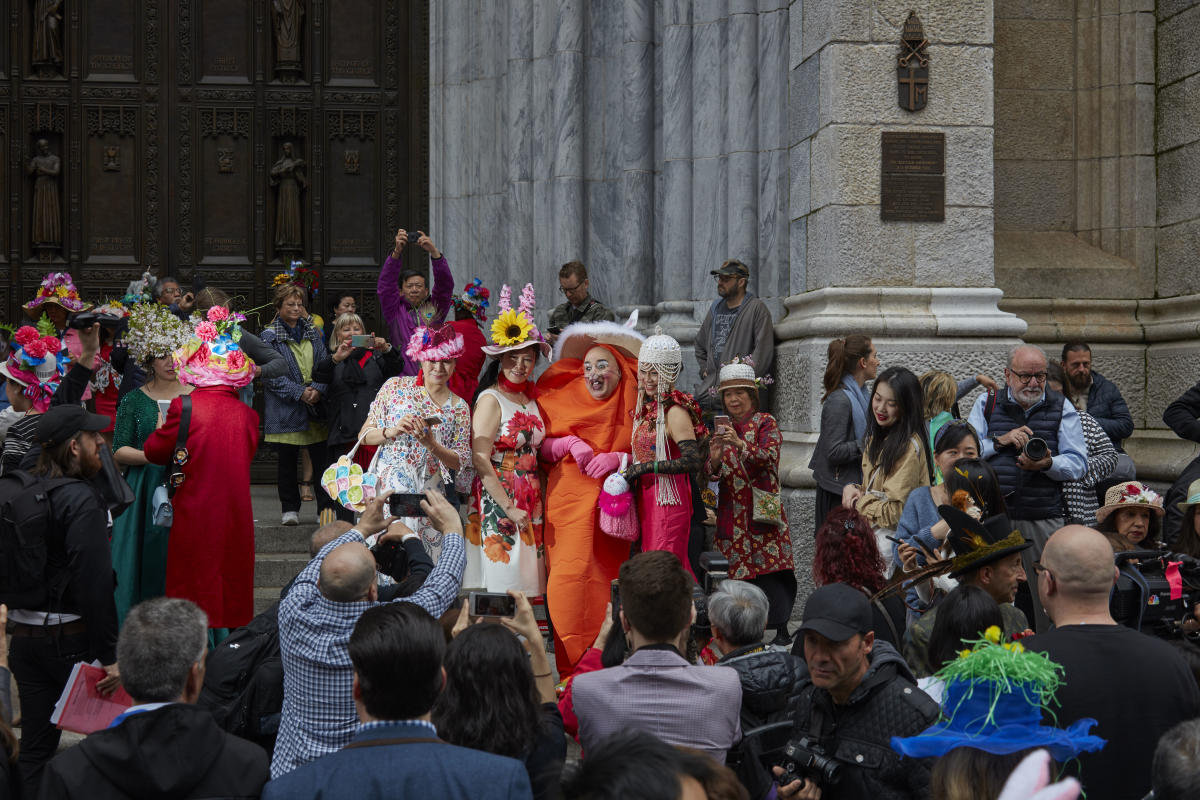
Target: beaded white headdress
{"type": "Point", "coordinates": [664, 355]}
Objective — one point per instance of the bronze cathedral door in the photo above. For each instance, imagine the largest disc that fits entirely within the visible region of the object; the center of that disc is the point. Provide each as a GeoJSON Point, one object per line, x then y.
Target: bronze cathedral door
{"type": "Point", "coordinates": [221, 136]}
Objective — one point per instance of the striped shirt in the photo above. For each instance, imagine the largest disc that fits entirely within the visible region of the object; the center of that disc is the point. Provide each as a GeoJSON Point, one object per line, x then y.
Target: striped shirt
{"type": "Point", "coordinates": [314, 636]}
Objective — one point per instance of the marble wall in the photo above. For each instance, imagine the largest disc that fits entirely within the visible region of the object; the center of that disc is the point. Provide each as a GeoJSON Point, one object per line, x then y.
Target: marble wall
{"type": "Point", "coordinates": [1178, 147]}
{"type": "Point", "coordinates": [647, 138]}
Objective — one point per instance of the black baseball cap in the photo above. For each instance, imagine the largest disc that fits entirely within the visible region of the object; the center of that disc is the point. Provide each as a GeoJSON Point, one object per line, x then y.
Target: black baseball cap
{"type": "Point", "coordinates": [62, 422]}
{"type": "Point", "coordinates": [837, 612]}
{"type": "Point", "coordinates": [733, 267]}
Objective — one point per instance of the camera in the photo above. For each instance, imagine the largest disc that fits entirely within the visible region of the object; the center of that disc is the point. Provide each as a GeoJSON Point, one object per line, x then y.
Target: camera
{"type": "Point", "coordinates": [413, 236]}
{"type": "Point", "coordinates": [1145, 598]}
{"type": "Point", "coordinates": [715, 568]}
{"type": "Point", "coordinates": [82, 320]}
{"type": "Point", "coordinates": [1036, 449]}
{"type": "Point", "coordinates": [806, 759]}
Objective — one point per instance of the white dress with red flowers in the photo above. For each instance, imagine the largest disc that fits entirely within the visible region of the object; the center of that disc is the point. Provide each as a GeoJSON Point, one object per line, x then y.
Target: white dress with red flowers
{"type": "Point", "coordinates": [499, 557]}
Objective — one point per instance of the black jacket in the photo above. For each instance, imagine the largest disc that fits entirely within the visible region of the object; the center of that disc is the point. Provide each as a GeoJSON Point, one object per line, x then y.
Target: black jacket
{"type": "Point", "coordinates": [78, 558]}
{"type": "Point", "coordinates": [1105, 403]}
{"type": "Point", "coordinates": [771, 682]}
{"type": "Point", "coordinates": [352, 388]}
{"type": "Point", "coordinates": [837, 459]}
{"type": "Point", "coordinates": [175, 752]}
{"type": "Point", "coordinates": [886, 703]}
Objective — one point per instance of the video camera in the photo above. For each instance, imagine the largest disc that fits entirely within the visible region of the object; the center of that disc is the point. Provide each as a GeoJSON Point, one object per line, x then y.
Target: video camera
{"type": "Point", "coordinates": [715, 568]}
{"type": "Point", "coordinates": [804, 758]}
{"type": "Point", "coordinates": [82, 320]}
{"type": "Point", "coordinates": [1144, 598]}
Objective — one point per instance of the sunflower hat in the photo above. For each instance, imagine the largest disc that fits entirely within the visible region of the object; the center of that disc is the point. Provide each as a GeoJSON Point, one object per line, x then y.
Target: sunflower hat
{"type": "Point", "coordinates": [514, 329]}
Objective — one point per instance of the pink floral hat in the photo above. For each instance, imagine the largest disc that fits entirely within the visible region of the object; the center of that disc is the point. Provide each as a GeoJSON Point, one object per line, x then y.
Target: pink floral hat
{"type": "Point", "coordinates": [37, 364]}
{"type": "Point", "coordinates": [58, 288]}
{"type": "Point", "coordinates": [212, 357]}
{"type": "Point", "coordinates": [514, 328]}
{"type": "Point", "coordinates": [428, 344]}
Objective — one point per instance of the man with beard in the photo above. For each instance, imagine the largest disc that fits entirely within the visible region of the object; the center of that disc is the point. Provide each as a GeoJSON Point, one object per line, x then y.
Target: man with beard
{"type": "Point", "coordinates": [738, 324]}
{"type": "Point", "coordinates": [1092, 392]}
{"type": "Point", "coordinates": [586, 396]}
{"type": "Point", "coordinates": [1032, 437]}
{"type": "Point", "coordinates": [76, 617]}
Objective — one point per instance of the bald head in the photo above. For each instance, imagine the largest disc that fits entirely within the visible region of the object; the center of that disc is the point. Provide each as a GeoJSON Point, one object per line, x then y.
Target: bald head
{"type": "Point", "coordinates": [1081, 560]}
{"type": "Point", "coordinates": [326, 534]}
{"type": "Point", "coordinates": [347, 573]}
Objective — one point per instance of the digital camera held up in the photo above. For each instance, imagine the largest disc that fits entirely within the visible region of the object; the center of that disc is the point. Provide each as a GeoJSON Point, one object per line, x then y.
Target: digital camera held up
{"type": "Point", "coordinates": [804, 758]}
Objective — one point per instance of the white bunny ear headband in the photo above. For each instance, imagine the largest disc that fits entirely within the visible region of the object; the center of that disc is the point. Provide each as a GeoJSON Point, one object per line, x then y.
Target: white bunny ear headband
{"type": "Point", "coordinates": [514, 329]}
{"type": "Point", "coordinates": [1031, 781]}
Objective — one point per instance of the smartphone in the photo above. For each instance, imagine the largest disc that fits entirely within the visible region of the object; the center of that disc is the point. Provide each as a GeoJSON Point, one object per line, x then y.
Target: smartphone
{"type": "Point", "coordinates": [163, 407]}
{"type": "Point", "coordinates": [492, 604]}
{"type": "Point", "coordinates": [406, 505]}
{"type": "Point", "coordinates": [555, 329]}
{"type": "Point", "coordinates": [721, 419]}
{"type": "Point", "coordinates": [363, 340]}
{"type": "Point", "coordinates": [616, 600]}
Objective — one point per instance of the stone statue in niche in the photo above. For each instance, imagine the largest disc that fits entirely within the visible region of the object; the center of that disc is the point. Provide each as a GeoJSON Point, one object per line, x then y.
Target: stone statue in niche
{"type": "Point", "coordinates": [47, 208]}
{"type": "Point", "coordinates": [286, 19]}
{"type": "Point", "coordinates": [225, 160]}
{"type": "Point", "coordinates": [350, 162]}
{"type": "Point", "coordinates": [287, 175]}
{"type": "Point", "coordinates": [47, 37]}
{"type": "Point", "coordinates": [112, 158]}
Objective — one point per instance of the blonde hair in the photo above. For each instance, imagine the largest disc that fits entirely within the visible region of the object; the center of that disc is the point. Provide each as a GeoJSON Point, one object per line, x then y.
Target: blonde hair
{"type": "Point", "coordinates": [343, 321]}
{"type": "Point", "coordinates": [286, 290]}
{"type": "Point", "coordinates": [940, 392]}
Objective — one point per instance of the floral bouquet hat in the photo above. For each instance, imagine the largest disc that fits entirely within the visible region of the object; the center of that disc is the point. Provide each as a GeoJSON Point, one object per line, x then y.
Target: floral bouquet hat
{"type": "Point", "coordinates": [37, 364]}
{"type": "Point", "coordinates": [58, 288]}
{"type": "Point", "coordinates": [474, 300]}
{"type": "Point", "coordinates": [515, 329]}
{"type": "Point", "coordinates": [153, 332]}
{"type": "Point", "coordinates": [1130, 494]}
{"type": "Point", "coordinates": [212, 356]}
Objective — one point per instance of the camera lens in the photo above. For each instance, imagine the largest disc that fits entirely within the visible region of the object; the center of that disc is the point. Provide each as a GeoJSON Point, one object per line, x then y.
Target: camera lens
{"type": "Point", "coordinates": [1035, 449]}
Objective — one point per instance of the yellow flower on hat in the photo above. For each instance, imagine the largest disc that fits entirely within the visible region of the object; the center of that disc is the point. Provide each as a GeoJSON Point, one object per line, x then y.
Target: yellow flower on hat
{"type": "Point", "coordinates": [992, 634]}
{"type": "Point", "coordinates": [511, 327]}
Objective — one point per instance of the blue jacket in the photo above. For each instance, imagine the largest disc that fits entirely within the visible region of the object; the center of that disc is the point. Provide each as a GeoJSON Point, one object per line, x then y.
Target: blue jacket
{"type": "Point", "coordinates": [422, 766]}
{"type": "Point", "coordinates": [283, 411]}
{"type": "Point", "coordinates": [1106, 404]}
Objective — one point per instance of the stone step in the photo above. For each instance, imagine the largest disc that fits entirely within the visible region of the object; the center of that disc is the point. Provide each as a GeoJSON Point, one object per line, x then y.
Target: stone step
{"type": "Point", "coordinates": [282, 538]}
{"type": "Point", "coordinates": [264, 597]}
{"type": "Point", "coordinates": [274, 570]}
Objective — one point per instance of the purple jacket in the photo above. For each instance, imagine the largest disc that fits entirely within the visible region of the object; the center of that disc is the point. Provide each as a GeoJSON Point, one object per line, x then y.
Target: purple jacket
{"type": "Point", "coordinates": [401, 318]}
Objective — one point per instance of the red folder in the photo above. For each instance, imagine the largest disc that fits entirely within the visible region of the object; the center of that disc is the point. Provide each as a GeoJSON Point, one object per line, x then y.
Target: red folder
{"type": "Point", "coordinates": [82, 708]}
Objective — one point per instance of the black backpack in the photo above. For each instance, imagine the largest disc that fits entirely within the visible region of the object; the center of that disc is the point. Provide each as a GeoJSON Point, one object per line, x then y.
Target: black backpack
{"type": "Point", "coordinates": [243, 681]}
{"type": "Point", "coordinates": [26, 555]}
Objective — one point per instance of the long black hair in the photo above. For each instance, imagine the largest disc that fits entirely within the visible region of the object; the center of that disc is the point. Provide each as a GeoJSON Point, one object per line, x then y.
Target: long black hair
{"type": "Point", "coordinates": [963, 616]}
{"type": "Point", "coordinates": [487, 380]}
{"type": "Point", "coordinates": [886, 447]}
{"type": "Point", "coordinates": [490, 702]}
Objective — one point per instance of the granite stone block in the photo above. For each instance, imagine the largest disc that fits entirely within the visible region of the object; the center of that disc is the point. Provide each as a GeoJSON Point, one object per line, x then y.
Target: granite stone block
{"type": "Point", "coordinates": [957, 252]}
{"type": "Point", "coordinates": [1035, 124]}
{"type": "Point", "coordinates": [798, 171]}
{"type": "Point", "coordinates": [850, 246]}
{"type": "Point", "coordinates": [804, 102]}
{"type": "Point", "coordinates": [960, 22]}
{"type": "Point", "coordinates": [1178, 112]}
{"type": "Point", "coordinates": [969, 167]}
{"type": "Point", "coordinates": [1178, 263]}
{"type": "Point", "coordinates": [828, 21]}
{"type": "Point", "coordinates": [1035, 54]}
{"type": "Point", "coordinates": [1178, 176]}
{"type": "Point", "coordinates": [1035, 195]}
{"type": "Point", "coordinates": [1179, 46]}
{"type": "Point", "coordinates": [798, 261]}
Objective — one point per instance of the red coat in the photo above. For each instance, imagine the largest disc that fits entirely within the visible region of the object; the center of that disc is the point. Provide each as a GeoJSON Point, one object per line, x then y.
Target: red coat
{"type": "Point", "coordinates": [465, 379]}
{"type": "Point", "coordinates": [210, 558]}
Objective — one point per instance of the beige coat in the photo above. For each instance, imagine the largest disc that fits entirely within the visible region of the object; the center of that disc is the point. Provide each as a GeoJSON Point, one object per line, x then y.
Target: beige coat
{"type": "Point", "coordinates": [883, 497]}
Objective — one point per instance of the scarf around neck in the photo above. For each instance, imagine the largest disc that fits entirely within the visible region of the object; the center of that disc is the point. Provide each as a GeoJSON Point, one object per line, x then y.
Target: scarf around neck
{"type": "Point", "coordinates": [858, 405]}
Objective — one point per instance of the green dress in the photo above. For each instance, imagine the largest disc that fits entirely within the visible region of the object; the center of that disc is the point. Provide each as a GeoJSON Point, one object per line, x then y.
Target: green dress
{"type": "Point", "coordinates": [139, 548]}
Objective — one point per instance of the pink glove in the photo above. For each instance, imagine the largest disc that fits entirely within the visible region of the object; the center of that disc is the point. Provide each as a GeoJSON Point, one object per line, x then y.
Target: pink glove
{"type": "Point", "coordinates": [555, 448]}
{"type": "Point", "coordinates": [603, 464]}
{"type": "Point", "coordinates": [581, 453]}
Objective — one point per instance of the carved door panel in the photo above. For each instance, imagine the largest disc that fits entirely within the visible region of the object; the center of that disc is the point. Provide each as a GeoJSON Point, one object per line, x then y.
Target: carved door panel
{"type": "Point", "coordinates": [215, 137]}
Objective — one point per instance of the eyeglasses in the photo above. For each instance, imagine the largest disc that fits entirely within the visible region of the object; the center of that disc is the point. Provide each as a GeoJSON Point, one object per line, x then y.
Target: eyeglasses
{"type": "Point", "coordinates": [1028, 377]}
{"type": "Point", "coordinates": [570, 289]}
{"type": "Point", "coordinates": [1039, 568]}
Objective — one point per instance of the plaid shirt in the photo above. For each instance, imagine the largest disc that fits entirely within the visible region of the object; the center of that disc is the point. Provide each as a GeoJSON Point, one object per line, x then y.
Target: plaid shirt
{"type": "Point", "coordinates": [314, 637]}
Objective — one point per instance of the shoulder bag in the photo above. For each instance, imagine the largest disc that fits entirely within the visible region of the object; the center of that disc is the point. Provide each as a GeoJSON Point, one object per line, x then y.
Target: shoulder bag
{"type": "Point", "coordinates": [163, 513]}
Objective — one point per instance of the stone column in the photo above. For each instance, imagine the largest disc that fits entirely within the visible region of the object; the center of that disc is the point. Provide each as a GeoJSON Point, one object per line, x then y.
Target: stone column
{"type": "Point", "coordinates": [637, 151]}
{"type": "Point", "coordinates": [922, 291]}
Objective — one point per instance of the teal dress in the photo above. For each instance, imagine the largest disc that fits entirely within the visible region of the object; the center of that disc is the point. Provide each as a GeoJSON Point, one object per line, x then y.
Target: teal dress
{"type": "Point", "coordinates": [139, 548]}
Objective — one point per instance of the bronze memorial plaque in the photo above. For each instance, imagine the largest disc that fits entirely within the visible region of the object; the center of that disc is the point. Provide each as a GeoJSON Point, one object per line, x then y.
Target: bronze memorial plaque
{"type": "Point", "coordinates": [913, 184]}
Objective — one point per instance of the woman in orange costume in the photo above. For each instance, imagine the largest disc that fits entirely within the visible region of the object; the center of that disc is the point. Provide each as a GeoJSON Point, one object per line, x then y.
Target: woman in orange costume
{"type": "Point", "coordinates": [587, 397]}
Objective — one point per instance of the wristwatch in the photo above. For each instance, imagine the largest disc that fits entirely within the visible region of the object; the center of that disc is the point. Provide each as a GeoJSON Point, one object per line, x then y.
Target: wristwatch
{"type": "Point", "coordinates": [996, 442]}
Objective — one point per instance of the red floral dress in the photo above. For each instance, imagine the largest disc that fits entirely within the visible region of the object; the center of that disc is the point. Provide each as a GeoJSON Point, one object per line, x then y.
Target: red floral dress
{"type": "Point", "coordinates": [499, 557]}
{"type": "Point", "coordinates": [753, 548]}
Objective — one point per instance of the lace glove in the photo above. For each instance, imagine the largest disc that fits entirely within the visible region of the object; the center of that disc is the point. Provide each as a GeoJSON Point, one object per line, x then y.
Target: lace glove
{"type": "Point", "coordinates": [690, 460]}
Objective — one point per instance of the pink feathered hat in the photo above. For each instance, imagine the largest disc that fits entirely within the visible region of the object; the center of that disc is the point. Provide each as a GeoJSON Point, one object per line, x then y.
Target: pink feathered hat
{"type": "Point", "coordinates": [427, 344]}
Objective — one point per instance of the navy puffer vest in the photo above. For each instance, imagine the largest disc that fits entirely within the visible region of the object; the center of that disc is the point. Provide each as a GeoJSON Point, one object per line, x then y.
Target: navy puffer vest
{"type": "Point", "coordinates": [1028, 495]}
